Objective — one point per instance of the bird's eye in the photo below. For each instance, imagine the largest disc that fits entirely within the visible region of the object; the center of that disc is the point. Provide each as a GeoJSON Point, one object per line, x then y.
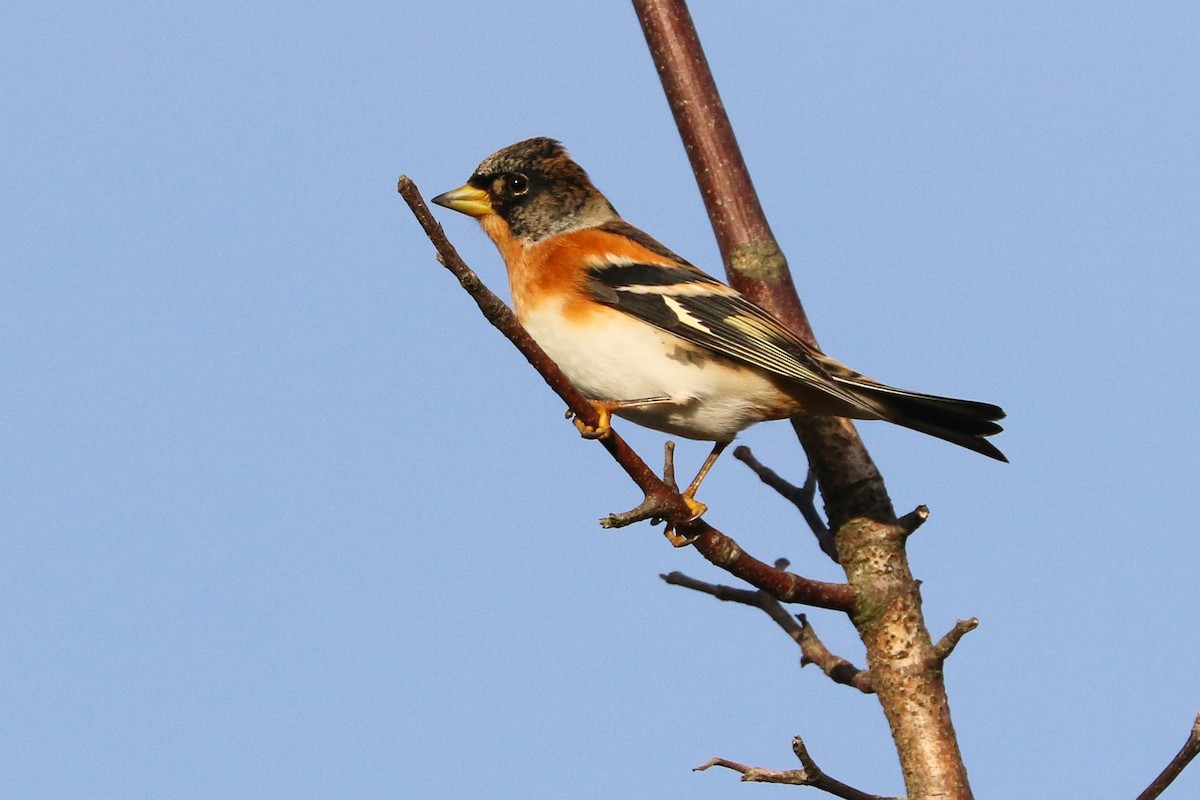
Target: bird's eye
{"type": "Point", "coordinates": [518, 184]}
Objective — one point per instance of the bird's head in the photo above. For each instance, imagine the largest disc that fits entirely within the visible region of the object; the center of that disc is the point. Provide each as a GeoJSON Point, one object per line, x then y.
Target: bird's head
{"type": "Point", "coordinates": [534, 188]}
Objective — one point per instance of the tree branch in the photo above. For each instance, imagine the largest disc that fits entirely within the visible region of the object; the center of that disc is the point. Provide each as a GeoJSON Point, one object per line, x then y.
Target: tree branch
{"type": "Point", "coordinates": [1184, 757]}
{"type": "Point", "coordinates": [750, 597]}
{"type": "Point", "coordinates": [913, 520]}
{"type": "Point", "coordinates": [946, 645]}
{"type": "Point", "coordinates": [810, 775]}
{"type": "Point", "coordinates": [837, 668]}
{"type": "Point", "coordinates": [802, 497]}
{"type": "Point", "coordinates": [870, 543]}
{"type": "Point", "coordinates": [812, 649]}
{"type": "Point", "coordinates": [662, 500]}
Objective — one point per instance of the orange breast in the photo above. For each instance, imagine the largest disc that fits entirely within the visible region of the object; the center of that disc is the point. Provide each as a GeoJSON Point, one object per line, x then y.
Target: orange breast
{"type": "Point", "coordinates": [555, 269]}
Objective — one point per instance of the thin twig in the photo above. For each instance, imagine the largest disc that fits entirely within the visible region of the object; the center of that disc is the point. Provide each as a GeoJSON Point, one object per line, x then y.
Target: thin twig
{"type": "Point", "coordinates": [665, 501]}
{"type": "Point", "coordinates": [810, 775]}
{"type": "Point", "coordinates": [750, 597]}
{"type": "Point", "coordinates": [802, 497]}
{"type": "Point", "coordinates": [649, 508]}
{"type": "Point", "coordinates": [837, 668]}
{"type": "Point", "coordinates": [812, 649]}
{"type": "Point", "coordinates": [827, 783]}
{"type": "Point", "coordinates": [1190, 749]}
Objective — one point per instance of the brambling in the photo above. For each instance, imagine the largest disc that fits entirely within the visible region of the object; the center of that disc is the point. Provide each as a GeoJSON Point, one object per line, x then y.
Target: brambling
{"type": "Point", "coordinates": [649, 337]}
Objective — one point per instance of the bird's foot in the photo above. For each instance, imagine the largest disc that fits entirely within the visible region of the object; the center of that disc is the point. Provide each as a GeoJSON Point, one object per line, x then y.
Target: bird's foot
{"type": "Point", "coordinates": [602, 427]}
{"type": "Point", "coordinates": [697, 508]}
{"type": "Point", "coordinates": [605, 410]}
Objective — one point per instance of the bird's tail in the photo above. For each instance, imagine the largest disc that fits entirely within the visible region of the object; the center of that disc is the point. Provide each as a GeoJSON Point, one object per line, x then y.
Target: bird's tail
{"type": "Point", "coordinates": [963, 422]}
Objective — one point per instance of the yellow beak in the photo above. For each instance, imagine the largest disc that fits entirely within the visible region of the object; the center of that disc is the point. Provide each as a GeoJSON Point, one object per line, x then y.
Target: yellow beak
{"type": "Point", "coordinates": [467, 200]}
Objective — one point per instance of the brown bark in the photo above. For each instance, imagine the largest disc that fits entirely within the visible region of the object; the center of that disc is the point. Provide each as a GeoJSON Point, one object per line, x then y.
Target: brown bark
{"type": "Point", "coordinates": [906, 672]}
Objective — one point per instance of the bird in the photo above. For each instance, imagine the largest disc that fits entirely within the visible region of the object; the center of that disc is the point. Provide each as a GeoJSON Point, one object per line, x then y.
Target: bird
{"type": "Point", "coordinates": [647, 336]}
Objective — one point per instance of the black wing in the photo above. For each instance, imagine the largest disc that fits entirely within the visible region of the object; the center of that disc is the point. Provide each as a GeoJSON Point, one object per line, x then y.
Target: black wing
{"type": "Point", "coordinates": [702, 310]}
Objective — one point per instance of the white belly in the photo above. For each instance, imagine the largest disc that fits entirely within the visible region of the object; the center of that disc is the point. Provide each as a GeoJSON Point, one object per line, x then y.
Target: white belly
{"type": "Point", "coordinates": [708, 396]}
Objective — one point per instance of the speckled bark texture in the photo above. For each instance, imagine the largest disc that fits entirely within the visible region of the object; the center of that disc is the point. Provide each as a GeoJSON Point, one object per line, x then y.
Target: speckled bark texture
{"type": "Point", "coordinates": [901, 657]}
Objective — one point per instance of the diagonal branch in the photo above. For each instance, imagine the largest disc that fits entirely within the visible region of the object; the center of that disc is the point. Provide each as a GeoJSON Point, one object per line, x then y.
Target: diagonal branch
{"type": "Point", "coordinates": [750, 597]}
{"type": "Point", "coordinates": [802, 497]}
{"type": "Point", "coordinates": [946, 645]}
{"type": "Point", "coordinates": [1190, 749]}
{"type": "Point", "coordinates": [837, 668]}
{"type": "Point", "coordinates": [812, 649]}
{"type": "Point", "coordinates": [662, 501]}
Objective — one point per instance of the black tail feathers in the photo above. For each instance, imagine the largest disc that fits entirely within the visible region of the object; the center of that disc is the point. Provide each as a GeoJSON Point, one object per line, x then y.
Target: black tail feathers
{"type": "Point", "coordinates": [963, 422]}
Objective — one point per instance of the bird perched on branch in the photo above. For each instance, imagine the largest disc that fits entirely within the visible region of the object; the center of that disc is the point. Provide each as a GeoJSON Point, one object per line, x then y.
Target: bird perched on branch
{"type": "Point", "coordinates": [649, 337]}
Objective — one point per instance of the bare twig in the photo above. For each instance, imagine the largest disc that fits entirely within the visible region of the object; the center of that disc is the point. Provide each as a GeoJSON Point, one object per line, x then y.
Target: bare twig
{"type": "Point", "coordinates": [750, 597]}
{"type": "Point", "coordinates": [802, 497]}
{"type": "Point", "coordinates": [810, 775]}
{"type": "Point", "coordinates": [946, 645]}
{"type": "Point", "coordinates": [837, 668]}
{"type": "Point", "coordinates": [662, 501]}
{"type": "Point", "coordinates": [753, 261]}
{"type": "Point", "coordinates": [1190, 749]}
{"type": "Point", "coordinates": [812, 649]}
{"type": "Point", "coordinates": [501, 316]}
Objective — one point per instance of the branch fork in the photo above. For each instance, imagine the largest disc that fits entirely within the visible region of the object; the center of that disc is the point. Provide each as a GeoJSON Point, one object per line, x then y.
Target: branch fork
{"type": "Point", "coordinates": [809, 775]}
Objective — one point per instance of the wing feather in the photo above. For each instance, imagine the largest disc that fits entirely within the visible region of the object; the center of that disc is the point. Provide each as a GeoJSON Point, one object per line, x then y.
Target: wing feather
{"type": "Point", "coordinates": [700, 309]}
{"type": "Point", "coordinates": [679, 299]}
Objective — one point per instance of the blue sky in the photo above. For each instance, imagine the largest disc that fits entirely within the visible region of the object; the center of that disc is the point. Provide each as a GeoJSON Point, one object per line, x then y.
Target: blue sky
{"type": "Point", "coordinates": [283, 517]}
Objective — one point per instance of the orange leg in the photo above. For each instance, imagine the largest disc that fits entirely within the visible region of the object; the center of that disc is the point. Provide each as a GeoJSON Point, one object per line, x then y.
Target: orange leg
{"type": "Point", "coordinates": [689, 494]}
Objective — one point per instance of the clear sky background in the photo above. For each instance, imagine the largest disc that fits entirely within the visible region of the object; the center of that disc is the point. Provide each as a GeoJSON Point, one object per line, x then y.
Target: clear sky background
{"type": "Point", "coordinates": [282, 516]}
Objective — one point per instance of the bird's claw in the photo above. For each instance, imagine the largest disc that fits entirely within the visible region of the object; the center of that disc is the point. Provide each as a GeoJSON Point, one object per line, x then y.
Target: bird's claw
{"type": "Point", "coordinates": [697, 508]}
{"type": "Point", "coordinates": [598, 431]}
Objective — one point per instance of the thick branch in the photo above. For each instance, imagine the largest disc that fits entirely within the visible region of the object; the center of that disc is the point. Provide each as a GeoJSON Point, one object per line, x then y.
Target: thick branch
{"type": "Point", "coordinates": [1190, 749]}
{"type": "Point", "coordinates": [810, 775]}
{"type": "Point", "coordinates": [870, 543]}
{"type": "Point", "coordinates": [667, 502]}
{"type": "Point", "coordinates": [756, 266]}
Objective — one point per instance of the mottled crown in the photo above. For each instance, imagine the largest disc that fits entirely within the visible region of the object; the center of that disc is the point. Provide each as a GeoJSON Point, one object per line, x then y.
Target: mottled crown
{"type": "Point", "coordinates": [539, 154]}
{"type": "Point", "coordinates": [559, 196]}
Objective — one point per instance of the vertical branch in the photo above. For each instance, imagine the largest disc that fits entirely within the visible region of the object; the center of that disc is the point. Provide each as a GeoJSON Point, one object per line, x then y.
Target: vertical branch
{"type": "Point", "coordinates": [870, 543]}
{"type": "Point", "coordinates": [753, 261]}
{"type": "Point", "coordinates": [757, 268]}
